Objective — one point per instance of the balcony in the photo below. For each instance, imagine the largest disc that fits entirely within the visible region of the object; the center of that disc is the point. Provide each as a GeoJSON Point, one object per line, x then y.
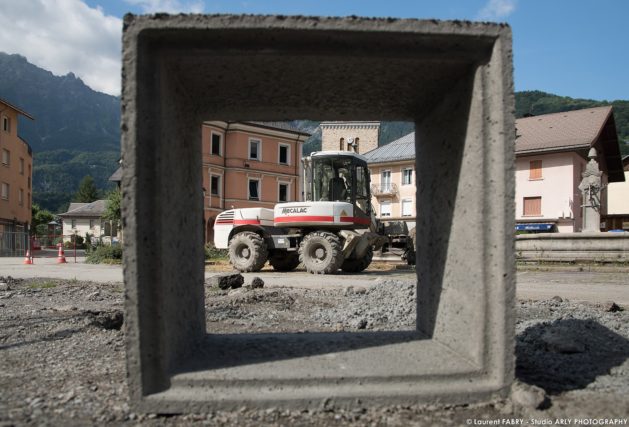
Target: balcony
{"type": "Point", "coordinates": [384, 190]}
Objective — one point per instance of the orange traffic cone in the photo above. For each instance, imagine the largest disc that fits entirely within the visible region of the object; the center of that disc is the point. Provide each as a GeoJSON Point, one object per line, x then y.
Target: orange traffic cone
{"type": "Point", "coordinates": [61, 258]}
{"type": "Point", "coordinates": [28, 259]}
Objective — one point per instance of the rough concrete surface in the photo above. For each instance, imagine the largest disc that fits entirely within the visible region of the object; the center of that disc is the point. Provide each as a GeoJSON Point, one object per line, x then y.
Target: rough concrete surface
{"type": "Point", "coordinates": [454, 79]}
{"type": "Point", "coordinates": [62, 355]}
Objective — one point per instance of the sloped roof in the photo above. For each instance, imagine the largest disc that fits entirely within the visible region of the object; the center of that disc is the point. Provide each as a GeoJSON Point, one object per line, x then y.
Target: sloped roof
{"type": "Point", "coordinates": [95, 209]}
{"type": "Point", "coordinates": [570, 129]}
{"type": "Point", "coordinates": [400, 149]}
{"type": "Point", "coordinates": [20, 111]}
{"type": "Point", "coordinates": [279, 125]}
{"type": "Point", "coordinates": [116, 176]}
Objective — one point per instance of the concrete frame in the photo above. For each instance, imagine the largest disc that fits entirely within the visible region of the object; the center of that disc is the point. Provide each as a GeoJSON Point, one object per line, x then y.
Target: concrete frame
{"type": "Point", "coordinates": [454, 79]}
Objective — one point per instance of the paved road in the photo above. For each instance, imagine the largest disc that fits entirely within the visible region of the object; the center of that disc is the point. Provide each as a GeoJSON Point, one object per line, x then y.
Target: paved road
{"type": "Point", "coordinates": [589, 286]}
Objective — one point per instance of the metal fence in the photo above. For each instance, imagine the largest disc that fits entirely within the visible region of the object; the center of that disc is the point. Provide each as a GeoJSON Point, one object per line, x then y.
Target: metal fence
{"type": "Point", "coordinates": [13, 243]}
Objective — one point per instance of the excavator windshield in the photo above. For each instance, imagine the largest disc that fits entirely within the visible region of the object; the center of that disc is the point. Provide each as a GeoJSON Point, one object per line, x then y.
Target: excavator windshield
{"type": "Point", "coordinates": [340, 178]}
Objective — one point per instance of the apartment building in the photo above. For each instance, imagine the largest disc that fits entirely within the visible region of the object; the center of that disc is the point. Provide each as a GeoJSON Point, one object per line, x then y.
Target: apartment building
{"type": "Point", "coordinates": [392, 170]}
{"type": "Point", "coordinates": [249, 164]}
{"type": "Point", "coordinates": [551, 154]}
{"type": "Point", "coordinates": [16, 168]}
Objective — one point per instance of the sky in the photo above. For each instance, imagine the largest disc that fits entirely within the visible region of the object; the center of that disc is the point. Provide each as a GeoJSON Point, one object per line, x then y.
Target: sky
{"type": "Point", "coordinates": [574, 48]}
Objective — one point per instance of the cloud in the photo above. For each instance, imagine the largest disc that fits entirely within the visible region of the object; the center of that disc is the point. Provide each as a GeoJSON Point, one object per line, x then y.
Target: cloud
{"type": "Point", "coordinates": [168, 6]}
{"type": "Point", "coordinates": [496, 9]}
{"type": "Point", "coordinates": [65, 36]}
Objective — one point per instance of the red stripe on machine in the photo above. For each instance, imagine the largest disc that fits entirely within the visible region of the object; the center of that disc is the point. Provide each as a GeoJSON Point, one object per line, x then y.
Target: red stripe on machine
{"type": "Point", "coordinates": [223, 222]}
{"type": "Point", "coordinates": [312, 218]}
{"type": "Point", "coordinates": [246, 221]}
{"type": "Point", "coordinates": [321, 218]}
{"type": "Point", "coordinates": [355, 220]}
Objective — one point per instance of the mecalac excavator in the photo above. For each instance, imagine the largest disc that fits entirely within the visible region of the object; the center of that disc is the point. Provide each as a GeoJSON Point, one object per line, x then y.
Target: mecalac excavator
{"type": "Point", "coordinates": [334, 228]}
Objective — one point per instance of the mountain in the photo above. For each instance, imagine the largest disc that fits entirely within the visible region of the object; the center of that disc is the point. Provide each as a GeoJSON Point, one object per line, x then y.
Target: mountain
{"type": "Point", "coordinates": [76, 131]}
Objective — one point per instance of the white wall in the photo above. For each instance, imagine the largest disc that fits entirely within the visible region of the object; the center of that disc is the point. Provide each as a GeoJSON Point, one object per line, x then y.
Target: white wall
{"type": "Point", "coordinates": [618, 197]}
{"type": "Point", "coordinates": [82, 227]}
{"type": "Point", "coordinates": [557, 188]}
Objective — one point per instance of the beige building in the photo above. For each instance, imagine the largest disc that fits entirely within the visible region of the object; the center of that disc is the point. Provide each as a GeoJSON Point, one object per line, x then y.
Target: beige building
{"type": "Point", "coordinates": [87, 218]}
{"type": "Point", "coordinates": [618, 202]}
{"type": "Point", "coordinates": [392, 170]}
{"type": "Point", "coordinates": [16, 169]}
{"type": "Point", "coordinates": [359, 137]}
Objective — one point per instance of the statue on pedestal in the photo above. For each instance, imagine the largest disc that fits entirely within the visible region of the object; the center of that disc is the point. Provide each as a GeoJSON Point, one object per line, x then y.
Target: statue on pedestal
{"type": "Point", "coordinates": [591, 187]}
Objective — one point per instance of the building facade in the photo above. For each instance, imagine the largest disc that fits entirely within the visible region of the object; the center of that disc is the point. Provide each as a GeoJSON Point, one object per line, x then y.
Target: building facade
{"type": "Point", "coordinates": [618, 202]}
{"type": "Point", "coordinates": [551, 154]}
{"type": "Point", "coordinates": [16, 170]}
{"type": "Point", "coordinates": [359, 137]}
{"type": "Point", "coordinates": [392, 170]}
{"type": "Point", "coordinates": [87, 218]}
{"type": "Point", "coordinates": [249, 164]}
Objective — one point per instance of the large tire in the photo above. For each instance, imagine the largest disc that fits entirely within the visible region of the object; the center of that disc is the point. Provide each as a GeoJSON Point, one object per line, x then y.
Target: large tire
{"type": "Point", "coordinates": [284, 261]}
{"type": "Point", "coordinates": [321, 252]}
{"type": "Point", "coordinates": [359, 264]}
{"type": "Point", "coordinates": [247, 251]}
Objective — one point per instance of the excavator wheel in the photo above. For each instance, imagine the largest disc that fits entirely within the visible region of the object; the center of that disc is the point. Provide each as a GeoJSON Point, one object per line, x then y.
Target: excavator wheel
{"type": "Point", "coordinates": [247, 251]}
{"type": "Point", "coordinates": [284, 261]}
{"type": "Point", "coordinates": [321, 252]}
{"type": "Point", "coordinates": [358, 264]}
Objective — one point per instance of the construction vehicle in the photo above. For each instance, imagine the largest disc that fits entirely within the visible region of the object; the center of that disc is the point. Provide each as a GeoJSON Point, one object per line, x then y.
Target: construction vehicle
{"type": "Point", "coordinates": [334, 228]}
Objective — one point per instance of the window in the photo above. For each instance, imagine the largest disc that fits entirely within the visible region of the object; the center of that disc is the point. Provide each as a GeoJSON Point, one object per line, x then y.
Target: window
{"type": "Point", "coordinates": [73, 223]}
{"type": "Point", "coordinates": [284, 154]}
{"type": "Point", "coordinates": [29, 200]}
{"type": "Point", "coordinates": [532, 206]}
{"type": "Point", "coordinates": [4, 193]}
{"type": "Point", "coordinates": [215, 182]}
{"type": "Point", "coordinates": [254, 149]}
{"type": "Point", "coordinates": [283, 192]}
{"type": "Point", "coordinates": [6, 124]}
{"type": "Point", "coordinates": [6, 157]}
{"type": "Point", "coordinates": [91, 224]}
{"type": "Point", "coordinates": [407, 207]}
{"type": "Point", "coordinates": [385, 181]}
{"type": "Point", "coordinates": [20, 197]}
{"type": "Point", "coordinates": [29, 182]}
{"type": "Point", "coordinates": [385, 208]}
{"type": "Point", "coordinates": [407, 176]}
{"type": "Point", "coordinates": [535, 169]}
{"type": "Point", "coordinates": [216, 144]}
{"type": "Point", "coordinates": [21, 166]}
{"type": "Point", "coordinates": [254, 189]}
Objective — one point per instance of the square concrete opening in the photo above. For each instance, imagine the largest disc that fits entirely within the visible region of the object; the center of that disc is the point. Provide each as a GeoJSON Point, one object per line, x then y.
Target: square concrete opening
{"type": "Point", "coordinates": [453, 79]}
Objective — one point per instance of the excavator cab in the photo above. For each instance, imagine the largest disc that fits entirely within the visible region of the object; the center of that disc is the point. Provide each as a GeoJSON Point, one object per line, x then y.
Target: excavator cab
{"type": "Point", "coordinates": [340, 176]}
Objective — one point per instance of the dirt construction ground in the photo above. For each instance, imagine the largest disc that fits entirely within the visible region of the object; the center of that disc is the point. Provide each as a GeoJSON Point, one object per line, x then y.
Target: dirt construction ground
{"type": "Point", "coordinates": [62, 348]}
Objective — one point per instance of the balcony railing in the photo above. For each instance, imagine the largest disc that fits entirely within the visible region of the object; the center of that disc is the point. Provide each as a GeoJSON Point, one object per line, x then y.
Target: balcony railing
{"type": "Point", "coordinates": [384, 189]}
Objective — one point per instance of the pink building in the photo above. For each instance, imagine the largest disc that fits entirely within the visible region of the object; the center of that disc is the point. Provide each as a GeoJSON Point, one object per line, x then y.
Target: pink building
{"type": "Point", "coordinates": [249, 164]}
{"type": "Point", "coordinates": [551, 153]}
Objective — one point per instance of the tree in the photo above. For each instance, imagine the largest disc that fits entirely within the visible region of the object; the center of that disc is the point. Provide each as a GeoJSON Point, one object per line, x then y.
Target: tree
{"type": "Point", "coordinates": [87, 191]}
{"type": "Point", "coordinates": [41, 218]}
{"type": "Point", "coordinates": [112, 210]}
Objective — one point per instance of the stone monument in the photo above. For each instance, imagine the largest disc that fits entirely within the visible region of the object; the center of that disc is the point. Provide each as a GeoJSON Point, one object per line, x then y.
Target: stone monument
{"type": "Point", "coordinates": [591, 187]}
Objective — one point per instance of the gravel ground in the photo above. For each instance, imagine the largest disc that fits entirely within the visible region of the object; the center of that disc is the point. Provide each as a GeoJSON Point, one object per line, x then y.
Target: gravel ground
{"type": "Point", "coordinates": [62, 355]}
